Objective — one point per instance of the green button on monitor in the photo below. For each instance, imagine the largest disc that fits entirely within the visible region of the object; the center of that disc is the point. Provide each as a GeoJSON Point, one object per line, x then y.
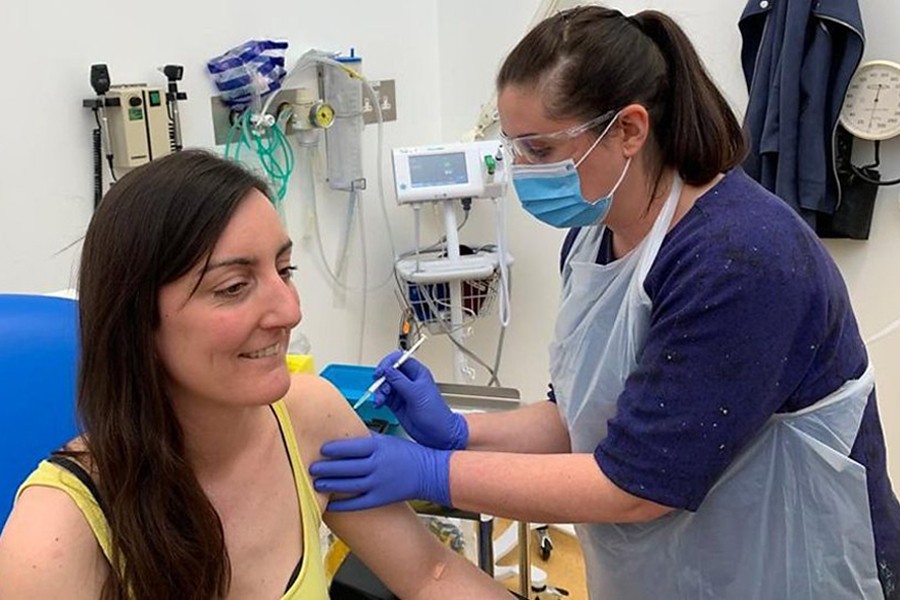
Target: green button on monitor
{"type": "Point", "coordinates": [154, 98]}
{"type": "Point", "coordinates": [491, 164]}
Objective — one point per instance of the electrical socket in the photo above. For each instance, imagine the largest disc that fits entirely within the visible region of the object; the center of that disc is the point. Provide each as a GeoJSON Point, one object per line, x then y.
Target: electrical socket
{"type": "Point", "coordinates": [386, 92]}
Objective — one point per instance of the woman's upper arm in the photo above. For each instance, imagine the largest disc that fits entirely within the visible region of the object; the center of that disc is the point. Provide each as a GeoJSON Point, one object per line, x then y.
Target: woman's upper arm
{"type": "Point", "coordinates": [319, 413]}
{"type": "Point", "coordinates": [47, 550]}
{"type": "Point", "coordinates": [390, 540]}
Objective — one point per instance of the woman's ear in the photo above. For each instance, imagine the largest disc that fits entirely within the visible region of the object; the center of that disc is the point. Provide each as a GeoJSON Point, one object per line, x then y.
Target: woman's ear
{"type": "Point", "coordinates": [634, 122]}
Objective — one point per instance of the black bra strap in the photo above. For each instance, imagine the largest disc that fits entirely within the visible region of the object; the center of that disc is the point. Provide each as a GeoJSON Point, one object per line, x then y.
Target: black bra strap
{"type": "Point", "coordinates": [287, 452]}
{"type": "Point", "coordinates": [294, 575]}
{"type": "Point", "coordinates": [78, 471]}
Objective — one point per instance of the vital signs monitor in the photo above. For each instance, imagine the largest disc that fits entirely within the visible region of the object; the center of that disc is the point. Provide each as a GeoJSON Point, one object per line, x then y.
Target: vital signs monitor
{"type": "Point", "coordinates": [449, 171]}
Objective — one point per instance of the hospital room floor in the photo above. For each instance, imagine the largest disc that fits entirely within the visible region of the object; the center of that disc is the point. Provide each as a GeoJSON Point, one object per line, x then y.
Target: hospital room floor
{"type": "Point", "coordinates": [565, 567]}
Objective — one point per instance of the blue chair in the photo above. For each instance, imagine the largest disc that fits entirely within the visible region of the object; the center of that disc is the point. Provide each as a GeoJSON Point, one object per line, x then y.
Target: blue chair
{"type": "Point", "coordinates": [38, 357]}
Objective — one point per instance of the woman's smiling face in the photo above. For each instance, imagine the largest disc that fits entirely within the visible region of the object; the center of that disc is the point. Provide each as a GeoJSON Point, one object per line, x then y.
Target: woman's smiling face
{"type": "Point", "coordinates": [225, 342]}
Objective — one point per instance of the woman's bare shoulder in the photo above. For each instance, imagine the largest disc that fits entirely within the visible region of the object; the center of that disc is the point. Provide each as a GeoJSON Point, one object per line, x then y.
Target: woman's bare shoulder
{"type": "Point", "coordinates": [319, 411]}
{"type": "Point", "coordinates": [46, 545]}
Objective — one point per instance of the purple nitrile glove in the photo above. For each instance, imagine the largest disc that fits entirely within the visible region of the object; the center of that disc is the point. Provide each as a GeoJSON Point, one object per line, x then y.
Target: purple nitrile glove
{"type": "Point", "coordinates": [381, 469]}
{"type": "Point", "coordinates": [411, 394]}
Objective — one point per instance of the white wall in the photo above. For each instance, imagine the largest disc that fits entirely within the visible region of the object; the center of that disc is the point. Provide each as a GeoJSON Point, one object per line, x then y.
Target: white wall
{"type": "Point", "coordinates": [45, 160]}
{"type": "Point", "coordinates": [475, 36]}
{"type": "Point", "coordinates": [443, 56]}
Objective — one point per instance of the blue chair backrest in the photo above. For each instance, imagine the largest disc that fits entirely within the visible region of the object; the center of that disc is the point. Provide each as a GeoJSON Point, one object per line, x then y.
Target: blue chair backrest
{"type": "Point", "coordinates": [38, 356]}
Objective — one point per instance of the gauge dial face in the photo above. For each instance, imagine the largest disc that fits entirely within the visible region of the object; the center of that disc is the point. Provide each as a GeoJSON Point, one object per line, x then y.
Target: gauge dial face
{"type": "Point", "coordinates": [322, 115]}
{"type": "Point", "coordinates": [871, 109]}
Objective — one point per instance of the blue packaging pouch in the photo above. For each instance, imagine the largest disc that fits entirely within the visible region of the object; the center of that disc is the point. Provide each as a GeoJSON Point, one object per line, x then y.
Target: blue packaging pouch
{"type": "Point", "coordinates": [251, 70]}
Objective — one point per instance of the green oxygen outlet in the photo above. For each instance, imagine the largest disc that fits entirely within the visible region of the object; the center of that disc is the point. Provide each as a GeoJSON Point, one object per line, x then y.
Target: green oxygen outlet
{"type": "Point", "coordinates": [491, 164]}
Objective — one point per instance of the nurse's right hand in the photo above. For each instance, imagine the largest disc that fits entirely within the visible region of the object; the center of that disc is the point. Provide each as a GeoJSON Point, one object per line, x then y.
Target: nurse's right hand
{"type": "Point", "coordinates": [411, 394]}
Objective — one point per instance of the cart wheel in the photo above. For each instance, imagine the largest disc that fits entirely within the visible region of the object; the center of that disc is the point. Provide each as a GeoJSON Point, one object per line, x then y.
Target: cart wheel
{"type": "Point", "coordinates": [554, 592]}
{"type": "Point", "coordinates": [545, 544]}
{"type": "Point", "coordinates": [546, 548]}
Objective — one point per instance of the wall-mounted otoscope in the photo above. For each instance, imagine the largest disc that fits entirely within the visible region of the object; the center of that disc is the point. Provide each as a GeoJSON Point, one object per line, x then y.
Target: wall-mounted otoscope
{"type": "Point", "coordinates": [101, 83]}
{"type": "Point", "coordinates": [173, 74]}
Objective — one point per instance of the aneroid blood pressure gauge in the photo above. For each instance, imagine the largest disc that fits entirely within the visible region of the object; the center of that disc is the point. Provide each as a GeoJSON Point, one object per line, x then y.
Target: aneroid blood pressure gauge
{"type": "Point", "coordinates": [871, 109]}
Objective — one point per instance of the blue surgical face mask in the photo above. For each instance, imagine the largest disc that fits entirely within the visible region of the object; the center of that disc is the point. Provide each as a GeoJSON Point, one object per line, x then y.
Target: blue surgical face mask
{"type": "Point", "coordinates": [552, 192]}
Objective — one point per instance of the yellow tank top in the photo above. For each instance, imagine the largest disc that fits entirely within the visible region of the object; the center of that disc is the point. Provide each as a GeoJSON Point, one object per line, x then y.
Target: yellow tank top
{"type": "Point", "coordinates": [309, 583]}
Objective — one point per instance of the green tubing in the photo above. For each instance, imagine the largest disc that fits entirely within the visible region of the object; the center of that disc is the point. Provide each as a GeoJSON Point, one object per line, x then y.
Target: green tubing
{"type": "Point", "coordinates": [269, 144]}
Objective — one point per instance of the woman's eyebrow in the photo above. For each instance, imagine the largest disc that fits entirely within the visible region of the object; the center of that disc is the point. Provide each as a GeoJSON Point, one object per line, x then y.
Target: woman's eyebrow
{"type": "Point", "coordinates": [246, 261]}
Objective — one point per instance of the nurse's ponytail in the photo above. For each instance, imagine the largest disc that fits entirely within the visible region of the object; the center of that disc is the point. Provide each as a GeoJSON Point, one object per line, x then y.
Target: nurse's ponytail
{"type": "Point", "coordinates": [588, 60]}
{"type": "Point", "coordinates": [704, 138]}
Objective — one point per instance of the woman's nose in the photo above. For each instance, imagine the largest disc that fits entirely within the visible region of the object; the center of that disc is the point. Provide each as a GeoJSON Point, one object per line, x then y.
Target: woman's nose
{"type": "Point", "coordinates": [283, 305]}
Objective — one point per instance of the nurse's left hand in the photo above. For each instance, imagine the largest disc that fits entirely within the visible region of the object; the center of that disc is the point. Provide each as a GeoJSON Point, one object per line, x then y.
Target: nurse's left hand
{"type": "Point", "coordinates": [379, 470]}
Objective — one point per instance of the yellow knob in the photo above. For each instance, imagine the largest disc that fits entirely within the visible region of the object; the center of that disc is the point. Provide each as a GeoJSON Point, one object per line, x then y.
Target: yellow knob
{"type": "Point", "coordinates": [321, 115]}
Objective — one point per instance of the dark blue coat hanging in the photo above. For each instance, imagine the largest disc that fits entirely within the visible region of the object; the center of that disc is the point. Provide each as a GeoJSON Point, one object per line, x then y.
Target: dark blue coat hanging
{"type": "Point", "coordinates": [798, 58]}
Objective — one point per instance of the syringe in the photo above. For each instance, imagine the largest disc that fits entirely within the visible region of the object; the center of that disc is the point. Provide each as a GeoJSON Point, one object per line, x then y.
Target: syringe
{"type": "Point", "coordinates": [377, 383]}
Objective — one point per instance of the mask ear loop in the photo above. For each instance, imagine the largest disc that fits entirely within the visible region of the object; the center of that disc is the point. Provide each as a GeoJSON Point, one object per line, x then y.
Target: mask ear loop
{"type": "Point", "coordinates": [597, 141]}
{"type": "Point", "coordinates": [621, 177]}
{"type": "Point", "coordinates": [591, 149]}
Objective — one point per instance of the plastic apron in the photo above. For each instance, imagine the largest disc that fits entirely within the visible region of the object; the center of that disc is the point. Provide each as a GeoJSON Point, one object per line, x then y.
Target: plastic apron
{"type": "Point", "coordinates": [789, 519]}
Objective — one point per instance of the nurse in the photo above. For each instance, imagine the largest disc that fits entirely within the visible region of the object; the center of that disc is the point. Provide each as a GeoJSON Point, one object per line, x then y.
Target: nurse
{"type": "Point", "coordinates": [712, 423]}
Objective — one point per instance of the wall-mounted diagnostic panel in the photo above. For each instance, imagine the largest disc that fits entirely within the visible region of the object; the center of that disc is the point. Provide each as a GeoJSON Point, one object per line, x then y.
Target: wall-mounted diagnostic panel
{"type": "Point", "coordinates": [138, 124]}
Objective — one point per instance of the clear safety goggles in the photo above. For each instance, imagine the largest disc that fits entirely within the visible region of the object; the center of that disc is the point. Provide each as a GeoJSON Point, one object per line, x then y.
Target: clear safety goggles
{"type": "Point", "coordinates": [539, 147]}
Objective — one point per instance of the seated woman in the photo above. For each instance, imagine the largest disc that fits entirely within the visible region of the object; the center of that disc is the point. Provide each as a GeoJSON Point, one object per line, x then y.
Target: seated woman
{"type": "Point", "coordinates": [189, 480]}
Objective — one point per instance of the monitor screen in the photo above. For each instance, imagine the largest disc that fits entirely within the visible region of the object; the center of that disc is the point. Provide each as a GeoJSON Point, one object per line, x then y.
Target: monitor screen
{"type": "Point", "coordinates": [438, 169]}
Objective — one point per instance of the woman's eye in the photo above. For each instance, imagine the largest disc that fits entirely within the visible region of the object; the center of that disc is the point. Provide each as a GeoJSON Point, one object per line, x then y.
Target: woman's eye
{"type": "Point", "coordinates": [539, 151]}
{"type": "Point", "coordinates": [231, 291]}
{"type": "Point", "coordinates": [287, 272]}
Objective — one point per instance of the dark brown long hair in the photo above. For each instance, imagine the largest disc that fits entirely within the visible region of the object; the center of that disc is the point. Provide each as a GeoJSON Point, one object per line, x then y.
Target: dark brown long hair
{"type": "Point", "coordinates": [151, 228]}
{"type": "Point", "coordinates": [589, 60]}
